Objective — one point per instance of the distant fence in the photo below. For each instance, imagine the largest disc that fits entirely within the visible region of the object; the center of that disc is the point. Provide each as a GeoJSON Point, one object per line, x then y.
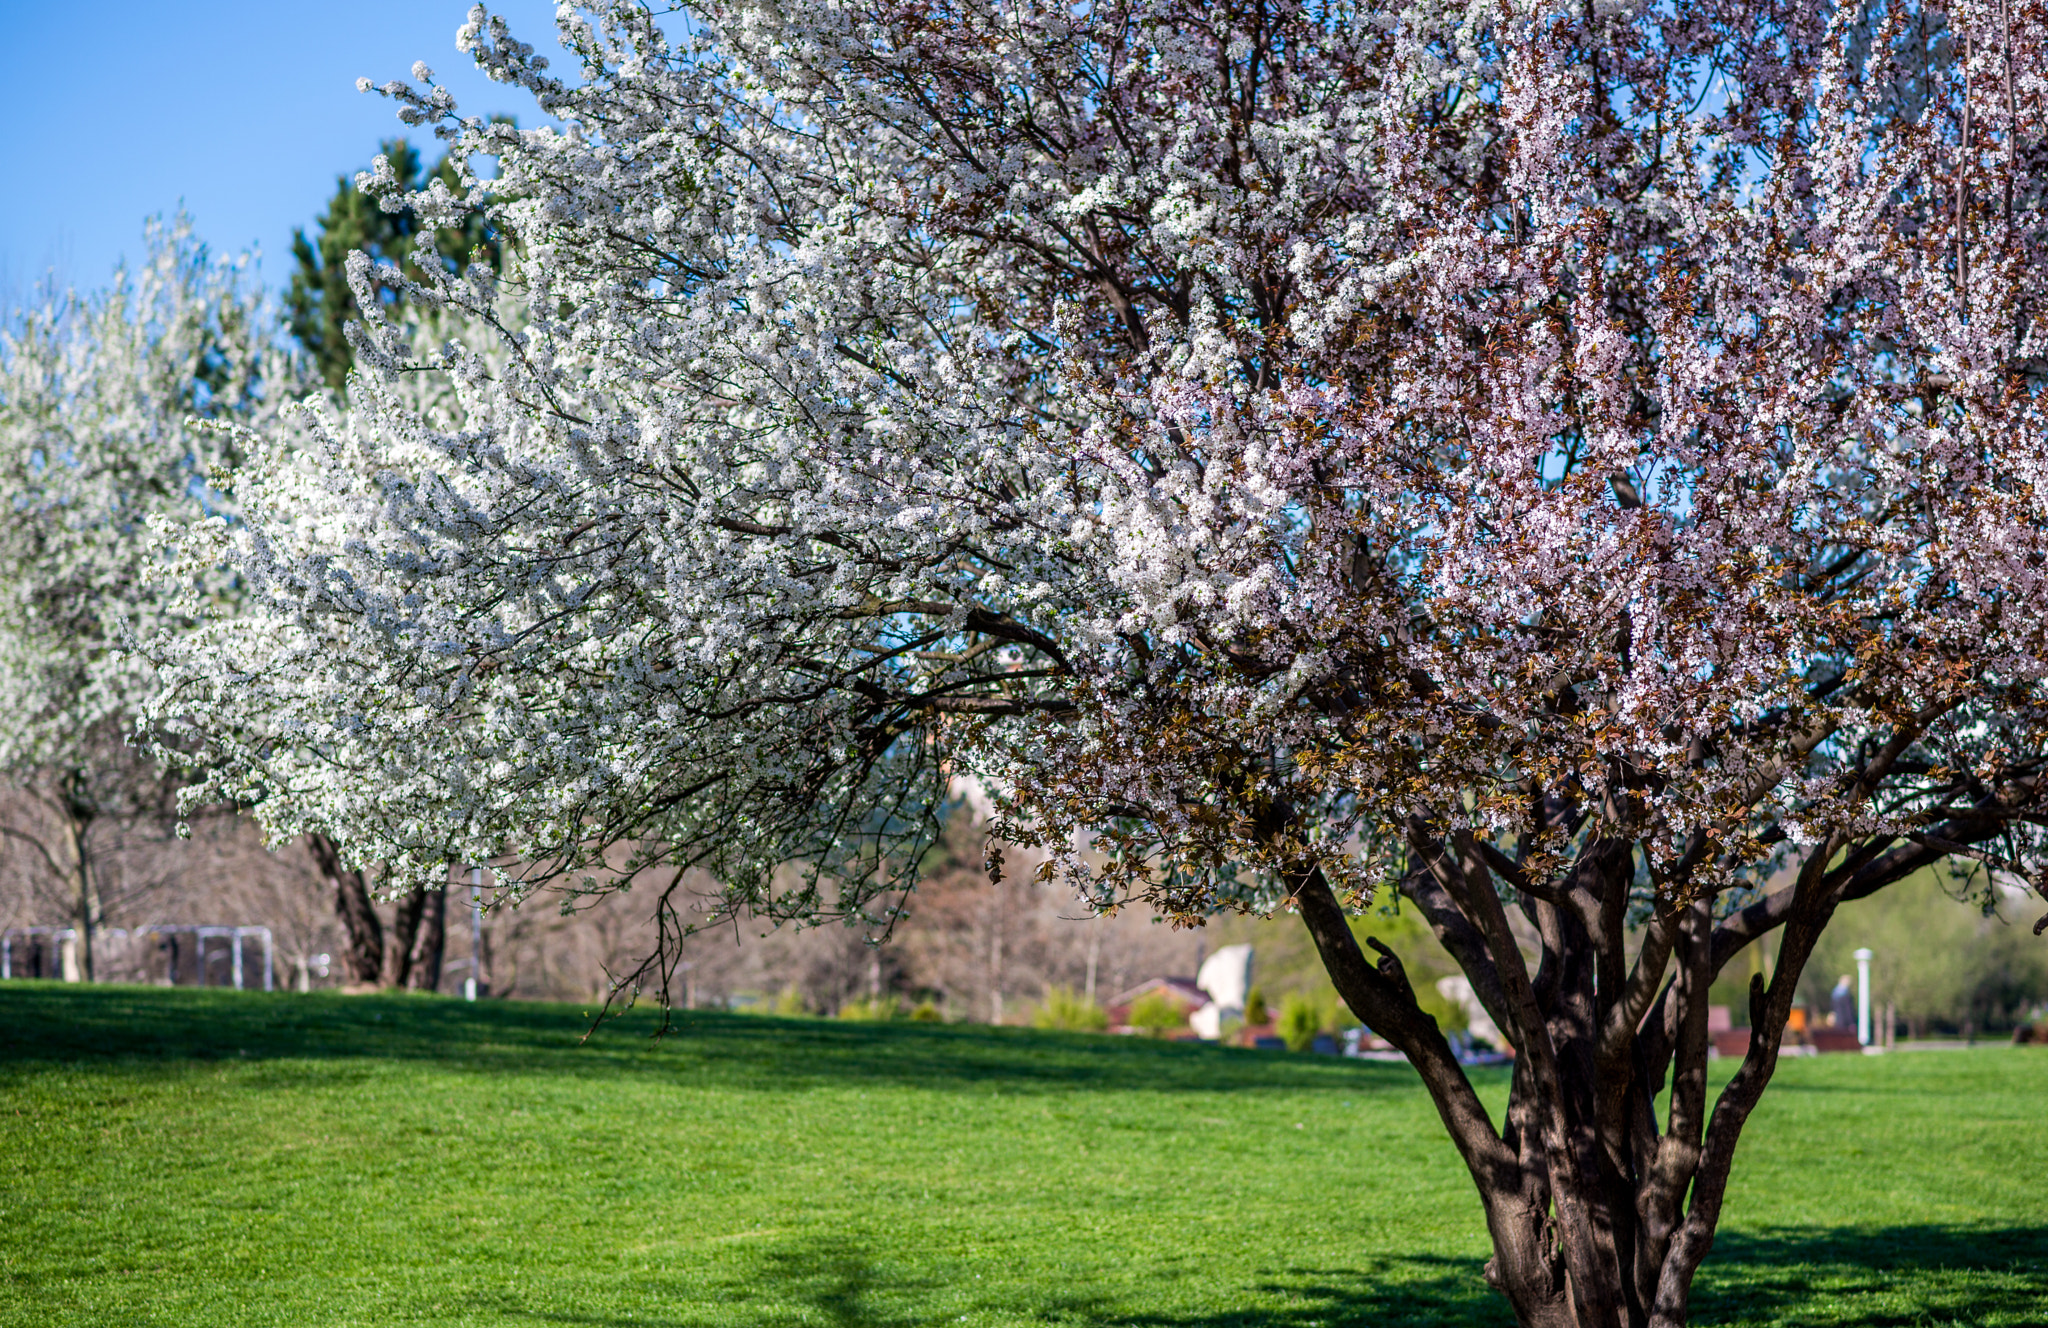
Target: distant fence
{"type": "Point", "coordinates": [173, 955]}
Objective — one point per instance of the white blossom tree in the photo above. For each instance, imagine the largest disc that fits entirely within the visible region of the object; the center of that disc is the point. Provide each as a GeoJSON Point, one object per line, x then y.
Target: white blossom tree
{"type": "Point", "coordinates": [105, 405]}
{"type": "Point", "coordinates": [1578, 468]}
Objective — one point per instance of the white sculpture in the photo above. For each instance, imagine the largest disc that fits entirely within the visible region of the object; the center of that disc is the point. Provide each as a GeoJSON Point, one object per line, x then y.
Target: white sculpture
{"type": "Point", "coordinates": [1227, 977]}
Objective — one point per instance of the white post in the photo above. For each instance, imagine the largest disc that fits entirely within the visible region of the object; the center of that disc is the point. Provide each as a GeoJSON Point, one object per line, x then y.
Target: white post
{"type": "Point", "coordinates": [1863, 997]}
{"type": "Point", "coordinates": [235, 949]}
{"type": "Point", "coordinates": [6, 957]}
{"type": "Point", "coordinates": [269, 957]}
{"type": "Point", "coordinates": [476, 932]}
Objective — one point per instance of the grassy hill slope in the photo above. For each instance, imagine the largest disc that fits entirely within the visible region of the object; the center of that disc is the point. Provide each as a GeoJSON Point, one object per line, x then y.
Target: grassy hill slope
{"type": "Point", "coordinates": [214, 1158]}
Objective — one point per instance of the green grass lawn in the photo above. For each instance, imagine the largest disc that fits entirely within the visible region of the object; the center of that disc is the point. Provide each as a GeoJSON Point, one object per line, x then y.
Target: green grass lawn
{"type": "Point", "coordinates": [201, 1158]}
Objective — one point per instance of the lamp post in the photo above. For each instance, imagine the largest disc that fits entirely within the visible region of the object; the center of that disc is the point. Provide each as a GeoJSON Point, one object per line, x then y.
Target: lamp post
{"type": "Point", "coordinates": [1863, 997]}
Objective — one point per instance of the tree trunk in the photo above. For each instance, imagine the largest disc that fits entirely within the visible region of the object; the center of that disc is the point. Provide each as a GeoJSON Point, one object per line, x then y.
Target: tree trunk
{"type": "Point", "coordinates": [405, 927]}
{"type": "Point", "coordinates": [1598, 1218]}
{"type": "Point", "coordinates": [365, 952]}
{"type": "Point", "coordinates": [433, 934]}
{"type": "Point", "coordinates": [995, 952]}
{"type": "Point", "coordinates": [88, 909]}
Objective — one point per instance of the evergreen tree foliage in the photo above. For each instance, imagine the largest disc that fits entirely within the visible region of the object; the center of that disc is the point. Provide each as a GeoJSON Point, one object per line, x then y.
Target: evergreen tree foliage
{"type": "Point", "coordinates": [320, 304]}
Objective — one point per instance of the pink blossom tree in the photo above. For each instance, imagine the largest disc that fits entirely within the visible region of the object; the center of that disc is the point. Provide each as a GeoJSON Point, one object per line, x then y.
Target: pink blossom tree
{"type": "Point", "coordinates": [1578, 469]}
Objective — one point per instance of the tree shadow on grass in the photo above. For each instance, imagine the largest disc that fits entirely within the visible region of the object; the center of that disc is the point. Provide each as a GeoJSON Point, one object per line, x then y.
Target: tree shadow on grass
{"type": "Point", "coordinates": [1793, 1278]}
{"type": "Point", "coordinates": [56, 1023]}
{"type": "Point", "coordinates": [1924, 1274]}
{"type": "Point", "coordinates": [1415, 1291]}
{"type": "Point", "coordinates": [841, 1284]}
{"type": "Point", "coordinates": [1850, 1277]}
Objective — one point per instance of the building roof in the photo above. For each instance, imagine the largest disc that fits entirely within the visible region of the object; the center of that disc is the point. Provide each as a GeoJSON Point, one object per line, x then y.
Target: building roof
{"type": "Point", "coordinates": [1182, 991]}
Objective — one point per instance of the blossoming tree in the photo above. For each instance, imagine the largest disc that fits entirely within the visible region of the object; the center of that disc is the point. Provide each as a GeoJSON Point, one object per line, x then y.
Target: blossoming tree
{"type": "Point", "coordinates": [103, 400]}
{"type": "Point", "coordinates": [1576, 470]}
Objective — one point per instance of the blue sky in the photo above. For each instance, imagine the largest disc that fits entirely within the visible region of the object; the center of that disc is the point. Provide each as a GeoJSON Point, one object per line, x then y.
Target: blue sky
{"type": "Point", "coordinates": [245, 111]}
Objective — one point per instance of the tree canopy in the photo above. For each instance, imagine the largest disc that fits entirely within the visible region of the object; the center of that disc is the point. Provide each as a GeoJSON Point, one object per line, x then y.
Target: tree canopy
{"type": "Point", "coordinates": [107, 403]}
{"type": "Point", "coordinates": [1578, 467]}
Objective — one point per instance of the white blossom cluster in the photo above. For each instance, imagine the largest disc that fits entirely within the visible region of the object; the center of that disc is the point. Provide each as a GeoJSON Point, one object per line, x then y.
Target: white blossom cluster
{"type": "Point", "coordinates": [1251, 437]}
{"type": "Point", "coordinates": [107, 408]}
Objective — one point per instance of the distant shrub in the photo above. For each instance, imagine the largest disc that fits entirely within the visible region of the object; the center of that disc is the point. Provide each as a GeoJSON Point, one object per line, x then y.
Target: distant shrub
{"type": "Point", "coordinates": [1071, 1011]}
{"type": "Point", "coordinates": [790, 1003]}
{"type": "Point", "coordinates": [1255, 1011]}
{"type": "Point", "coordinates": [877, 1011]}
{"type": "Point", "coordinates": [927, 1013]}
{"type": "Point", "coordinates": [1449, 1015]}
{"type": "Point", "coordinates": [1156, 1014]}
{"type": "Point", "coordinates": [1300, 1021]}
